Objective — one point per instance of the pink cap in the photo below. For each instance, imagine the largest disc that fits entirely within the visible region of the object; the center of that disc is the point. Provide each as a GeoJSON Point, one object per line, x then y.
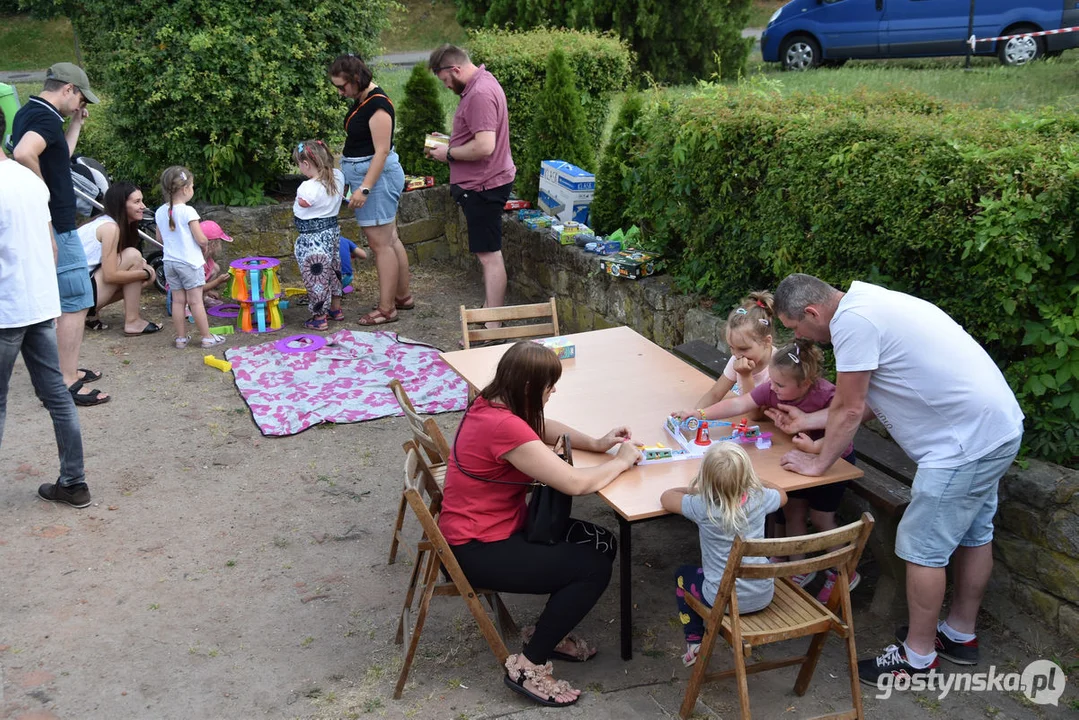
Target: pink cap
{"type": "Point", "coordinates": [213, 231]}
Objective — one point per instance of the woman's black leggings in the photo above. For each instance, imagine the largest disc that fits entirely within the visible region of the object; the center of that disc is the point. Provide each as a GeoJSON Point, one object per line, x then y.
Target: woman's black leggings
{"type": "Point", "coordinates": [574, 572]}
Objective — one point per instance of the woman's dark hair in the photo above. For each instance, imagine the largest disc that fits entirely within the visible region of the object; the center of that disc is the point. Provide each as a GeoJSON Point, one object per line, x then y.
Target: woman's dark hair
{"type": "Point", "coordinates": [352, 69]}
{"type": "Point", "coordinates": [116, 208]}
{"type": "Point", "coordinates": [524, 373]}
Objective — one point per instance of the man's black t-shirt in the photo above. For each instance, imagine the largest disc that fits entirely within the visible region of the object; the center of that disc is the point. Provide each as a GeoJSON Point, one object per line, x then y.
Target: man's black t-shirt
{"type": "Point", "coordinates": [41, 117]}
{"type": "Point", "coordinates": [358, 141]}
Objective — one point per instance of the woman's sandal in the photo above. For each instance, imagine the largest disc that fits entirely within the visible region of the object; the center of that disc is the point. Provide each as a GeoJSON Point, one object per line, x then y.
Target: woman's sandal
{"type": "Point", "coordinates": [405, 303]}
{"type": "Point", "coordinates": [316, 323]}
{"type": "Point", "coordinates": [336, 315]}
{"type": "Point", "coordinates": [86, 399]}
{"type": "Point", "coordinates": [583, 652]}
{"type": "Point", "coordinates": [516, 677]}
{"type": "Point", "coordinates": [377, 317]}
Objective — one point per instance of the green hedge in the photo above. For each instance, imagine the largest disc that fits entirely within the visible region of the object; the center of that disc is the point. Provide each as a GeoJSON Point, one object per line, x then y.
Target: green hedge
{"type": "Point", "coordinates": [226, 88]}
{"type": "Point", "coordinates": [600, 62]}
{"type": "Point", "coordinates": [971, 209]}
{"type": "Point", "coordinates": [675, 42]}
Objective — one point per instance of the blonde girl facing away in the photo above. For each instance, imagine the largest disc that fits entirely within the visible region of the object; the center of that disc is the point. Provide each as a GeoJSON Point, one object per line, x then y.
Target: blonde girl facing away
{"type": "Point", "coordinates": [749, 337]}
{"type": "Point", "coordinates": [725, 499]}
{"type": "Point", "coordinates": [179, 231]}
{"type": "Point", "coordinates": [318, 247]}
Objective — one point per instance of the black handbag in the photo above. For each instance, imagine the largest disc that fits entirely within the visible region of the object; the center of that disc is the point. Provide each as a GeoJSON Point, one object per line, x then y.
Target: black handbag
{"type": "Point", "coordinates": [548, 509]}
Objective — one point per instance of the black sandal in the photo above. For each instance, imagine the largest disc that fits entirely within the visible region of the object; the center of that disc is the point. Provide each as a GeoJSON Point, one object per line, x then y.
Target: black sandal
{"type": "Point", "coordinates": [89, 375]}
{"type": "Point", "coordinates": [550, 686]}
{"type": "Point", "coordinates": [96, 325]}
{"type": "Point", "coordinates": [86, 399]}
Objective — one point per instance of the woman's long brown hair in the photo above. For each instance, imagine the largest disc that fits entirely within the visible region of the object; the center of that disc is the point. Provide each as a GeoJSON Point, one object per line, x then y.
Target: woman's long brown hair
{"type": "Point", "coordinates": [524, 373]}
{"type": "Point", "coordinates": [116, 208]}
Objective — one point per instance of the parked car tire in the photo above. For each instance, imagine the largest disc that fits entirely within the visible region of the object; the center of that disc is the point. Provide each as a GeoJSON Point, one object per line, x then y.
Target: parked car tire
{"type": "Point", "coordinates": [1021, 50]}
{"type": "Point", "coordinates": [799, 52]}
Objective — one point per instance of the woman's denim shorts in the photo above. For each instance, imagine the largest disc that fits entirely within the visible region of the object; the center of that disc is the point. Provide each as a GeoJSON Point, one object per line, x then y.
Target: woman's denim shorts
{"type": "Point", "coordinates": [381, 205]}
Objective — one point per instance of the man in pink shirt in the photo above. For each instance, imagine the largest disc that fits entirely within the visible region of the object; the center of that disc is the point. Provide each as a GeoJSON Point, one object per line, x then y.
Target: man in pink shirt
{"type": "Point", "coordinates": [481, 167]}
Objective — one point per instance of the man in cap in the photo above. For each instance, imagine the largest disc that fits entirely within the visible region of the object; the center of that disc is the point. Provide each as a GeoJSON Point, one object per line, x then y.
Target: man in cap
{"type": "Point", "coordinates": [42, 145]}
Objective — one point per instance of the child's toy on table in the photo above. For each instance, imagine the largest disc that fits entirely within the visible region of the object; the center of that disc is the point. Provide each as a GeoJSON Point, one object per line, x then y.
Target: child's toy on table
{"type": "Point", "coordinates": [254, 285]}
{"type": "Point", "coordinates": [563, 347]}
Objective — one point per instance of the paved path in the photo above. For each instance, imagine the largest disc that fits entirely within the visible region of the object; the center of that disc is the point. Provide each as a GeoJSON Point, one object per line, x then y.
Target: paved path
{"type": "Point", "coordinates": [405, 59]}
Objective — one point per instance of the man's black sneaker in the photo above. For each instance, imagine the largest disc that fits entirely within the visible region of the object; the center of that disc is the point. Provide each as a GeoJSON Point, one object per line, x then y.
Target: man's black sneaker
{"type": "Point", "coordinates": [892, 662]}
{"type": "Point", "coordinates": [960, 653]}
{"type": "Point", "coordinates": [77, 495]}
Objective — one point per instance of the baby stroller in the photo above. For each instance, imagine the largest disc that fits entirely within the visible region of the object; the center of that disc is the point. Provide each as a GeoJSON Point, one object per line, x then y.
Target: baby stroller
{"type": "Point", "coordinates": [91, 182]}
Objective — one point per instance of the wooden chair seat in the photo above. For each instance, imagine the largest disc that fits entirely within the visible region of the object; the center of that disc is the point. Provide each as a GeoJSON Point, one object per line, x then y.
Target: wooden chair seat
{"type": "Point", "coordinates": [793, 613]}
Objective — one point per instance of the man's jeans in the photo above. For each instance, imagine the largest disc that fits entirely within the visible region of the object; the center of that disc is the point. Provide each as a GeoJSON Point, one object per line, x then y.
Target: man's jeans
{"type": "Point", "coordinates": [38, 346]}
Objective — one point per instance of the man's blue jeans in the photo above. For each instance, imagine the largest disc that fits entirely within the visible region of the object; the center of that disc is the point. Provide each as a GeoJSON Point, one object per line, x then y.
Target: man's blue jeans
{"type": "Point", "coordinates": [38, 346]}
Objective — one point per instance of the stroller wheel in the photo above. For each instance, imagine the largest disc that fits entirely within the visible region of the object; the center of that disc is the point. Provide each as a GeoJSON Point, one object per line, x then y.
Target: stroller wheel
{"type": "Point", "coordinates": [157, 262]}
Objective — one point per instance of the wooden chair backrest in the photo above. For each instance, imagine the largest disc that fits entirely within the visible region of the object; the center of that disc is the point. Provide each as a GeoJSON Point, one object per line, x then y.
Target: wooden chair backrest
{"type": "Point", "coordinates": [546, 310]}
{"type": "Point", "coordinates": [426, 433]}
{"type": "Point", "coordinates": [420, 482]}
{"type": "Point", "coordinates": [848, 541]}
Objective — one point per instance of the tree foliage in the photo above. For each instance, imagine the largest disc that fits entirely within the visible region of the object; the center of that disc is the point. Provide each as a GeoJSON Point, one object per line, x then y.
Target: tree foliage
{"type": "Point", "coordinates": [615, 176]}
{"type": "Point", "coordinates": [558, 130]}
{"type": "Point", "coordinates": [226, 87]}
{"type": "Point", "coordinates": [675, 42]}
{"type": "Point", "coordinates": [420, 113]}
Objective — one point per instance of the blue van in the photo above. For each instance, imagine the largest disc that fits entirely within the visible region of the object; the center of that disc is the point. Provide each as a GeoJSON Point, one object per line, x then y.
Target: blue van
{"type": "Point", "coordinates": [806, 33]}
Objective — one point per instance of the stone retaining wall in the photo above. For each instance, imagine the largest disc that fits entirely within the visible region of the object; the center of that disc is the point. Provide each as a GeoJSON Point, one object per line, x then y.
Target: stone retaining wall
{"type": "Point", "coordinates": [1037, 543]}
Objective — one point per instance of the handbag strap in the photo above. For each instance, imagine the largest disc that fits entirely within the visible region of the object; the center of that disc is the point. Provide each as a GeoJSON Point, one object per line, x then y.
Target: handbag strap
{"type": "Point", "coordinates": [477, 477]}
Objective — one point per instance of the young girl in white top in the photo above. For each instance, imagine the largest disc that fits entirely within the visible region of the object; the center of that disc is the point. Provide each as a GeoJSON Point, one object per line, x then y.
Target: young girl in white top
{"type": "Point", "coordinates": [318, 248]}
{"type": "Point", "coordinates": [725, 499]}
{"type": "Point", "coordinates": [178, 230]}
{"type": "Point", "coordinates": [749, 337]}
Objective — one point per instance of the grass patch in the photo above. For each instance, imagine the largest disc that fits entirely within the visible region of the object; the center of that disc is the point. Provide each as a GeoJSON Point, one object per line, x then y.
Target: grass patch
{"type": "Point", "coordinates": [1053, 82]}
{"type": "Point", "coordinates": [761, 10]}
{"type": "Point", "coordinates": [422, 25]}
{"type": "Point", "coordinates": [35, 44]}
{"type": "Point", "coordinates": [392, 79]}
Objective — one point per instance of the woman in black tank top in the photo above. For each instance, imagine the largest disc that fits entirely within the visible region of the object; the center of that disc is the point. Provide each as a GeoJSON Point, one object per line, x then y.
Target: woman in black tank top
{"type": "Point", "coordinates": [376, 179]}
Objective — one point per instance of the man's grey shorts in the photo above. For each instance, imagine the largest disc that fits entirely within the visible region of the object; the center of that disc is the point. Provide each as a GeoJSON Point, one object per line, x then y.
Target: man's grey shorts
{"type": "Point", "coordinates": [950, 507]}
{"type": "Point", "coordinates": [181, 276]}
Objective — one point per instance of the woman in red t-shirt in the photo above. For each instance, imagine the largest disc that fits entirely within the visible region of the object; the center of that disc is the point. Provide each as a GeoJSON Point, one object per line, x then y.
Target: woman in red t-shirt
{"type": "Point", "coordinates": [503, 437]}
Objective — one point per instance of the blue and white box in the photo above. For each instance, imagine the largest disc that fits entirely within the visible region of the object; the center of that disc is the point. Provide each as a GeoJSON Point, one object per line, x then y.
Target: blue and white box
{"type": "Point", "coordinates": [566, 191]}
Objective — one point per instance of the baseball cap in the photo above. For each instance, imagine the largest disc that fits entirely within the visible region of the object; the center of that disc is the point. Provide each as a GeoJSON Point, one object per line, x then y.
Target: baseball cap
{"type": "Point", "coordinates": [213, 231]}
{"type": "Point", "coordinates": [67, 72]}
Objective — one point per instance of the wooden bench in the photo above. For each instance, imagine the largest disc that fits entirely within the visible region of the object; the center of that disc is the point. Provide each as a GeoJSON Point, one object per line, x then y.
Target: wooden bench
{"type": "Point", "coordinates": [885, 488]}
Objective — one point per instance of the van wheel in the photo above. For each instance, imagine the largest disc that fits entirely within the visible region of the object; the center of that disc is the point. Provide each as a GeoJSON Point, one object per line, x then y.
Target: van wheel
{"type": "Point", "coordinates": [799, 52]}
{"type": "Point", "coordinates": [1020, 50]}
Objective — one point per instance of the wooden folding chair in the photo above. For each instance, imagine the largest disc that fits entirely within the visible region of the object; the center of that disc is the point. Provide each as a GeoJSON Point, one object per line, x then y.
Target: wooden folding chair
{"type": "Point", "coordinates": [793, 613]}
{"type": "Point", "coordinates": [505, 313]}
{"type": "Point", "coordinates": [435, 561]}
{"type": "Point", "coordinates": [428, 436]}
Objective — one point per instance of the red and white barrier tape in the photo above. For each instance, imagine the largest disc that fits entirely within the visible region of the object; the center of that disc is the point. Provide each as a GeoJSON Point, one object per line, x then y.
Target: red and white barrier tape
{"type": "Point", "coordinates": [1033, 34]}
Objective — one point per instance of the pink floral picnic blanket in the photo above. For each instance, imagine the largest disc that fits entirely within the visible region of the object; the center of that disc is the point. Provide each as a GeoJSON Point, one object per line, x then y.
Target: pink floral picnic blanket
{"type": "Point", "coordinates": [342, 382]}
